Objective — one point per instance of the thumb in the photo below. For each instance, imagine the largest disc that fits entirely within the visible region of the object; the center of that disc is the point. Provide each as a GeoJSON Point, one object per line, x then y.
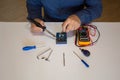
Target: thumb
{"type": "Point", "coordinates": [65, 25]}
{"type": "Point", "coordinates": [40, 21]}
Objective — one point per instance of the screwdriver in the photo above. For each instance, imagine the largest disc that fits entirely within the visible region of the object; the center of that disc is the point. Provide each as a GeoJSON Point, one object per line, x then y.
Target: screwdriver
{"type": "Point", "coordinates": [30, 47]}
{"type": "Point", "coordinates": [40, 26]}
{"type": "Point", "coordinates": [27, 48]}
{"type": "Point", "coordinates": [81, 60]}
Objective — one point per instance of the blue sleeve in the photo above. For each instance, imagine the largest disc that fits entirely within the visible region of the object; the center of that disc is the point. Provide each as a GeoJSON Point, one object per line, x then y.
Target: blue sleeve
{"type": "Point", "coordinates": [34, 9]}
{"type": "Point", "coordinates": [92, 11]}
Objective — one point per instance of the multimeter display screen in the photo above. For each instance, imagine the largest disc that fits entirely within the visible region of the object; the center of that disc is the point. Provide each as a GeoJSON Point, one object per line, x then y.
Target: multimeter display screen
{"type": "Point", "coordinates": [83, 34]}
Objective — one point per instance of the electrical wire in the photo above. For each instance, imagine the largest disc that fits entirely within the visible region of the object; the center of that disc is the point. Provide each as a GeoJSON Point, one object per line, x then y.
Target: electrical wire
{"type": "Point", "coordinates": [95, 27]}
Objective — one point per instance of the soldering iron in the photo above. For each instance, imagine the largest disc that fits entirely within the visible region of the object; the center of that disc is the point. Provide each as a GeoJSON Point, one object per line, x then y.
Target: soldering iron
{"type": "Point", "coordinates": [40, 26]}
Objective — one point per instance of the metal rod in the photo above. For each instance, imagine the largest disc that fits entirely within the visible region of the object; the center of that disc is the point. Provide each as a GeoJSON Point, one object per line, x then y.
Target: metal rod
{"type": "Point", "coordinates": [44, 51]}
{"type": "Point", "coordinates": [77, 55]}
{"type": "Point", "coordinates": [47, 59]}
{"type": "Point", "coordinates": [50, 33]}
{"type": "Point", "coordinates": [63, 59]}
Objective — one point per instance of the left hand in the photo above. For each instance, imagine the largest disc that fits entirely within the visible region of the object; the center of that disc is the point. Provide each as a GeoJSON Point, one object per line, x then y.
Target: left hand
{"type": "Point", "coordinates": [71, 23]}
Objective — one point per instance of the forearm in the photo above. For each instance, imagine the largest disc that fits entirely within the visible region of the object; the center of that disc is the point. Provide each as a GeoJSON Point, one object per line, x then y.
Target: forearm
{"type": "Point", "coordinates": [92, 11]}
{"type": "Point", "coordinates": [34, 9]}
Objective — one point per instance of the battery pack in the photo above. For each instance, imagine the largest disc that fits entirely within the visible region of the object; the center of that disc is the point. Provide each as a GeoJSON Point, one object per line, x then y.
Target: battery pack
{"type": "Point", "coordinates": [61, 38]}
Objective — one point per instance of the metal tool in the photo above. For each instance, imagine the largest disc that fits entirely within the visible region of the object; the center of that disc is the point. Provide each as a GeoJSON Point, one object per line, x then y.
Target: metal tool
{"type": "Point", "coordinates": [27, 48]}
{"type": "Point", "coordinates": [50, 32]}
{"type": "Point", "coordinates": [47, 59]}
{"type": "Point", "coordinates": [40, 26]}
{"type": "Point", "coordinates": [63, 59]}
{"type": "Point", "coordinates": [44, 51]}
{"type": "Point", "coordinates": [81, 59]}
{"type": "Point", "coordinates": [30, 47]}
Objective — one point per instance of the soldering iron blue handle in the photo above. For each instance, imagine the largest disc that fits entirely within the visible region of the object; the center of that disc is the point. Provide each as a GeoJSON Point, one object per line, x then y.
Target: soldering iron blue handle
{"type": "Point", "coordinates": [85, 63]}
{"type": "Point", "coordinates": [26, 48]}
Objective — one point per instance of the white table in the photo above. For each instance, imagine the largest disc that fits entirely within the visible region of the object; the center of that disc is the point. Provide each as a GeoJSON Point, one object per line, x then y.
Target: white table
{"type": "Point", "coordinates": [16, 64]}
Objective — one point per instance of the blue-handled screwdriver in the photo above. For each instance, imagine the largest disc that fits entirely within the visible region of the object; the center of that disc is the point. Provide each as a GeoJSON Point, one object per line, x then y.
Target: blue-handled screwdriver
{"type": "Point", "coordinates": [27, 48]}
{"type": "Point", "coordinates": [81, 60]}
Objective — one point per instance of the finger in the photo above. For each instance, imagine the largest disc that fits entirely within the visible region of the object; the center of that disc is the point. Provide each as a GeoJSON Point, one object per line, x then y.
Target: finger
{"type": "Point", "coordinates": [69, 28]}
{"type": "Point", "coordinates": [75, 28]}
{"type": "Point", "coordinates": [34, 28]}
{"type": "Point", "coordinates": [40, 21]}
{"type": "Point", "coordinates": [72, 28]}
{"type": "Point", "coordinates": [65, 25]}
{"type": "Point", "coordinates": [38, 29]}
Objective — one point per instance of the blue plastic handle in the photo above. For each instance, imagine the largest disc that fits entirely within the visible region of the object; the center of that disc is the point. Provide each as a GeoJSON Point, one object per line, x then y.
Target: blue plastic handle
{"type": "Point", "coordinates": [26, 48]}
{"type": "Point", "coordinates": [85, 52]}
{"type": "Point", "coordinates": [85, 63]}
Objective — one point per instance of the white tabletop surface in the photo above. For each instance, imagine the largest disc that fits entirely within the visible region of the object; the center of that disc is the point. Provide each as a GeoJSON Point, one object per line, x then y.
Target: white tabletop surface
{"type": "Point", "coordinates": [16, 64]}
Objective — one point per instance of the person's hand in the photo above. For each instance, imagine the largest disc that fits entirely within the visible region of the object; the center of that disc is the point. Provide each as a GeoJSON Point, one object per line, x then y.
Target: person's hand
{"type": "Point", "coordinates": [36, 29]}
{"type": "Point", "coordinates": [71, 23]}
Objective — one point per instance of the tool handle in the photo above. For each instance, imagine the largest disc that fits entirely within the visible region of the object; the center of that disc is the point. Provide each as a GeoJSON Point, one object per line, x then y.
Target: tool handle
{"type": "Point", "coordinates": [26, 48]}
{"type": "Point", "coordinates": [37, 24]}
{"type": "Point", "coordinates": [85, 52]}
{"type": "Point", "coordinates": [85, 63]}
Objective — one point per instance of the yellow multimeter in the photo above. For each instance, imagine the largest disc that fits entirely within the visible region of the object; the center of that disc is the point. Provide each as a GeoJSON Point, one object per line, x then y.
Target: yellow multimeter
{"type": "Point", "coordinates": [83, 38]}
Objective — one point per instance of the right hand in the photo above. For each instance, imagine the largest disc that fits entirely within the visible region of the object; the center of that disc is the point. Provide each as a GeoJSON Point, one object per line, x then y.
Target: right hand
{"type": "Point", "coordinates": [36, 29]}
